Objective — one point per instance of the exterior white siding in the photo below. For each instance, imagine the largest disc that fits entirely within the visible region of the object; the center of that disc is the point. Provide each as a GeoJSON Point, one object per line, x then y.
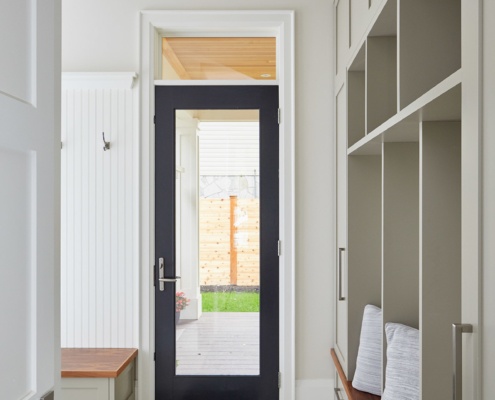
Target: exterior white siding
{"type": "Point", "coordinates": [228, 148]}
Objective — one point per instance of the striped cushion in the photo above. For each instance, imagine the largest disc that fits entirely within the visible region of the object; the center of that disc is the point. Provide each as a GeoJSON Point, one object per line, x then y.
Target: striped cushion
{"type": "Point", "coordinates": [402, 373]}
{"type": "Point", "coordinates": [368, 375]}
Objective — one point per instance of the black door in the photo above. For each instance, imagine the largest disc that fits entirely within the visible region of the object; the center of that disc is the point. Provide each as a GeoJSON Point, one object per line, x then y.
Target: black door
{"type": "Point", "coordinates": [224, 379]}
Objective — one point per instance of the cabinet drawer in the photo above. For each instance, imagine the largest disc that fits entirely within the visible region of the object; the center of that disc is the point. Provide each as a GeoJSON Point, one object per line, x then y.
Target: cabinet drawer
{"type": "Point", "coordinates": [84, 389]}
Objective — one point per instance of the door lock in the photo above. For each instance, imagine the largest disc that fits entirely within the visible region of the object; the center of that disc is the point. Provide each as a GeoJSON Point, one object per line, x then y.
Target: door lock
{"type": "Point", "coordinates": [161, 275]}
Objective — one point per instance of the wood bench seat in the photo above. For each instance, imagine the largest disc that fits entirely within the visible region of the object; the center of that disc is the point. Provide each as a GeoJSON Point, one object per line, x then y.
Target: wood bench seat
{"type": "Point", "coordinates": [95, 363]}
{"type": "Point", "coordinates": [352, 394]}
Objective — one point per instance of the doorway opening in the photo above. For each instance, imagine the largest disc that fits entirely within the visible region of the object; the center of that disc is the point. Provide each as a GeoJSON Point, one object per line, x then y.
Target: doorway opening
{"type": "Point", "coordinates": [216, 353]}
{"type": "Point", "coordinates": [154, 26]}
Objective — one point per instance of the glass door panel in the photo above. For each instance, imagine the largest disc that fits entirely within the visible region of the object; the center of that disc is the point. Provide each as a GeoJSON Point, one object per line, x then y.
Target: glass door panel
{"type": "Point", "coordinates": [217, 242]}
{"type": "Point", "coordinates": [219, 58]}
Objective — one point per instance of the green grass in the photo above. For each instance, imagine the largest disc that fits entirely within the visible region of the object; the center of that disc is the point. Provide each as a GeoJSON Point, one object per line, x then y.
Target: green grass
{"type": "Point", "coordinates": [231, 302]}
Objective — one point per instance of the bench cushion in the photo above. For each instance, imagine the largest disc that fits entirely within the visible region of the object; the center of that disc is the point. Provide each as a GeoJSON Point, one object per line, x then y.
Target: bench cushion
{"type": "Point", "coordinates": [368, 375]}
{"type": "Point", "coordinates": [402, 372]}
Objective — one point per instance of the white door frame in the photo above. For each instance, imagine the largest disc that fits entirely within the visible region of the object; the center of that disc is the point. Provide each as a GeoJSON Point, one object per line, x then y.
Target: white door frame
{"type": "Point", "coordinates": [154, 24]}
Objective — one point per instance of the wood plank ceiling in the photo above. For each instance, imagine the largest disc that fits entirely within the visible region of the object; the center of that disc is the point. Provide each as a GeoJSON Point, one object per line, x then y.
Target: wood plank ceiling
{"type": "Point", "coordinates": [219, 58]}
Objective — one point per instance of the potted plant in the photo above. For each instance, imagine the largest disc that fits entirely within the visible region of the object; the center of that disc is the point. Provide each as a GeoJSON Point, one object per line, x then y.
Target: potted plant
{"type": "Point", "coordinates": [181, 302]}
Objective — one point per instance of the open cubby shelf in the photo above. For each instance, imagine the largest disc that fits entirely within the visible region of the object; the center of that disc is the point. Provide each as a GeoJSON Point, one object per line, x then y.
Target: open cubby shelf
{"type": "Point", "coordinates": [399, 183]}
{"type": "Point", "coordinates": [441, 103]}
{"type": "Point", "coordinates": [410, 54]}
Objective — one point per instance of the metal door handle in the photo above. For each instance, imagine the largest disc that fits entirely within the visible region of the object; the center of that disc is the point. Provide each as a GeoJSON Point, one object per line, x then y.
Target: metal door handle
{"type": "Point", "coordinates": [341, 250]}
{"type": "Point", "coordinates": [169, 279]}
{"type": "Point", "coordinates": [161, 275]}
{"type": "Point", "coordinates": [337, 393]}
{"type": "Point", "coordinates": [457, 331]}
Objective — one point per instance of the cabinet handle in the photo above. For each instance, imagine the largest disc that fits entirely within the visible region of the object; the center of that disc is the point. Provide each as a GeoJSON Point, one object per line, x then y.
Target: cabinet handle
{"type": "Point", "coordinates": [337, 393]}
{"type": "Point", "coordinates": [341, 250]}
{"type": "Point", "coordinates": [457, 331]}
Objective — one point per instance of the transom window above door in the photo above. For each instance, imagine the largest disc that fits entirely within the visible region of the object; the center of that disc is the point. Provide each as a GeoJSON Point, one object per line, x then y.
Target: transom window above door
{"type": "Point", "coordinates": [219, 58]}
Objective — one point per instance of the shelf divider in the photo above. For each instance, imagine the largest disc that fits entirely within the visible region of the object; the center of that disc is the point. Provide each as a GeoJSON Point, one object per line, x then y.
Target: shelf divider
{"type": "Point", "coordinates": [443, 102]}
{"type": "Point", "coordinates": [440, 263]}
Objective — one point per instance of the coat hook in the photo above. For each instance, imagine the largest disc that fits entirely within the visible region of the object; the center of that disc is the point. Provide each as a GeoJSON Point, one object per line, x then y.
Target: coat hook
{"type": "Point", "coordinates": [107, 144]}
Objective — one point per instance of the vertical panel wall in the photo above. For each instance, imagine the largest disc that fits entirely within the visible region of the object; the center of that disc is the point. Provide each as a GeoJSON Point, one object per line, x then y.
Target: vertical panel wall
{"type": "Point", "coordinates": [99, 218]}
{"type": "Point", "coordinates": [356, 99]}
{"type": "Point", "coordinates": [401, 233]}
{"type": "Point", "coordinates": [364, 242]}
{"type": "Point", "coordinates": [440, 253]}
{"type": "Point", "coordinates": [430, 45]}
{"type": "Point", "coordinates": [381, 80]}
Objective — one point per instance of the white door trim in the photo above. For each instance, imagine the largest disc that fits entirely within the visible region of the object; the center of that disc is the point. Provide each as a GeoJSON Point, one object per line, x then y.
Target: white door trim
{"type": "Point", "coordinates": [244, 23]}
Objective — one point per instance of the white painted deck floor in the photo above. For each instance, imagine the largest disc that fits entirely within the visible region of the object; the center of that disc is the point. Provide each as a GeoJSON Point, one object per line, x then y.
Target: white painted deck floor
{"type": "Point", "coordinates": [218, 344]}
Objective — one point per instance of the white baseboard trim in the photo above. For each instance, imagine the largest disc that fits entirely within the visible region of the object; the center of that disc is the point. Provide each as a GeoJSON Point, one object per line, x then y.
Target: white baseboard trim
{"type": "Point", "coordinates": [314, 389]}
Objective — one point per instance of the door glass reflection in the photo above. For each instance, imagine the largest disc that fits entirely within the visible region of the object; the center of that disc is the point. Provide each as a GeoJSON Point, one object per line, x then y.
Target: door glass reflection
{"type": "Point", "coordinates": [217, 242]}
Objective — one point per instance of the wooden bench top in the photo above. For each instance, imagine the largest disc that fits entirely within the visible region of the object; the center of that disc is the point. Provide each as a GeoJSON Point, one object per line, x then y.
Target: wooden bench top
{"type": "Point", "coordinates": [95, 363]}
{"type": "Point", "coordinates": [352, 394]}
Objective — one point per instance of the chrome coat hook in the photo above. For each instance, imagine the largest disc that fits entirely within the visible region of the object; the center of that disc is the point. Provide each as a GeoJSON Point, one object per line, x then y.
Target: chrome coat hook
{"type": "Point", "coordinates": [107, 144]}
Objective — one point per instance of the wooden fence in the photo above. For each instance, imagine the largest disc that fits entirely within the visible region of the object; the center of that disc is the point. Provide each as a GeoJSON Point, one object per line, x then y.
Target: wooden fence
{"type": "Point", "coordinates": [229, 241]}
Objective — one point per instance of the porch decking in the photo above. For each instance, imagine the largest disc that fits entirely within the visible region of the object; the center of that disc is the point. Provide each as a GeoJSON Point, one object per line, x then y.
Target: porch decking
{"type": "Point", "coordinates": [218, 344]}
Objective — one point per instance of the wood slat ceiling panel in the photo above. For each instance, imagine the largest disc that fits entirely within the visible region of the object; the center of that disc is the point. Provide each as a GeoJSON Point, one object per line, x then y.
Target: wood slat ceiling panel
{"type": "Point", "coordinates": [220, 58]}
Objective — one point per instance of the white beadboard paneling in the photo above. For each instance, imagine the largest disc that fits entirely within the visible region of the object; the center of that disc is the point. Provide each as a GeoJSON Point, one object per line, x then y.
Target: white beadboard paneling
{"type": "Point", "coordinates": [99, 209]}
{"type": "Point", "coordinates": [92, 173]}
{"type": "Point", "coordinates": [63, 213]}
{"type": "Point", "coordinates": [76, 188]}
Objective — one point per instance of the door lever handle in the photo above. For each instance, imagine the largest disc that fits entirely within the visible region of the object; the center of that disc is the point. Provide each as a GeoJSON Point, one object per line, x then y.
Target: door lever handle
{"type": "Point", "coordinates": [169, 279]}
{"type": "Point", "coordinates": [161, 275]}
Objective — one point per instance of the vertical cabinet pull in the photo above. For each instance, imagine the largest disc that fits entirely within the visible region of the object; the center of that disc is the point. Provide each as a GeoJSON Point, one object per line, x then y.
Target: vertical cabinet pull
{"type": "Point", "coordinates": [337, 394]}
{"type": "Point", "coordinates": [341, 250]}
{"type": "Point", "coordinates": [457, 331]}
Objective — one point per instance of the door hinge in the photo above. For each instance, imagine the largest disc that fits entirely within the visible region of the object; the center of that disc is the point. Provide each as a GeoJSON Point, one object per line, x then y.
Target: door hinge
{"type": "Point", "coordinates": [279, 115]}
{"type": "Point", "coordinates": [154, 356]}
{"type": "Point", "coordinates": [154, 119]}
{"type": "Point", "coordinates": [279, 248]}
{"type": "Point", "coordinates": [279, 379]}
{"type": "Point", "coordinates": [154, 275]}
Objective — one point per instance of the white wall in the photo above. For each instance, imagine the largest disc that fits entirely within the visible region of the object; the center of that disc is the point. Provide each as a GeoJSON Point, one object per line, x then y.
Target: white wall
{"type": "Point", "coordinates": [488, 277]}
{"type": "Point", "coordinates": [103, 35]}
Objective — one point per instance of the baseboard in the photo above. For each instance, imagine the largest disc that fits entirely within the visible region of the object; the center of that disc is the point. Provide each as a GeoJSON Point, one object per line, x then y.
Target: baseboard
{"type": "Point", "coordinates": [314, 389]}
